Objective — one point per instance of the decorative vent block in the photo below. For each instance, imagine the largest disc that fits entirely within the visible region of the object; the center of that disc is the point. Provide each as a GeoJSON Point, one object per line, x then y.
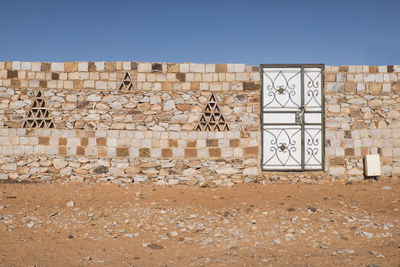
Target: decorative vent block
{"type": "Point", "coordinates": [38, 116]}
{"type": "Point", "coordinates": [212, 118]}
{"type": "Point", "coordinates": [126, 83]}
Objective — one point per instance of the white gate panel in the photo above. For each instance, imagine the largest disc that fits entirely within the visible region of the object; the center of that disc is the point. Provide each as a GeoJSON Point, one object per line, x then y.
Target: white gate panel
{"type": "Point", "coordinates": [292, 117]}
{"type": "Point", "coordinates": [284, 147]}
{"type": "Point", "coordinates": [281, 88]}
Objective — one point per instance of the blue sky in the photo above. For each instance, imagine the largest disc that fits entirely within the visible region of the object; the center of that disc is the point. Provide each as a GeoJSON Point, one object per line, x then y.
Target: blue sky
{"type": "Point", "coordinates": [254, 32]}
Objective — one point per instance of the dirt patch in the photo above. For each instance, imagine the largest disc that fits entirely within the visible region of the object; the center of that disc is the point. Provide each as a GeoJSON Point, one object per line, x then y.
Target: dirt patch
{"type": "Point", "coordinates": [246, 225]}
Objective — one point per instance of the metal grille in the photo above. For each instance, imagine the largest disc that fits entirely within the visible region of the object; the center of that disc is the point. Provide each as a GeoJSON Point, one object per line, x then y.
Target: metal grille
{"type": "Point", "coordinates": [292, 117]}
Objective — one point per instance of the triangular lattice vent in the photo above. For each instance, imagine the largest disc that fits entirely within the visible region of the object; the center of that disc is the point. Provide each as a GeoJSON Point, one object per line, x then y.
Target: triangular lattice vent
{"type": "Point", "coordinates": [126, 83]}
{"type": "Point", "coordinates": [38, 116]}
{"type": "Point", "coordinates": [212, 119]}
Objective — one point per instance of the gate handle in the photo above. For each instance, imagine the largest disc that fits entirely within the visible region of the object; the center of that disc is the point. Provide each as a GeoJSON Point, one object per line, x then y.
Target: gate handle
{"type": "Point", "coordinates": [299, 116]}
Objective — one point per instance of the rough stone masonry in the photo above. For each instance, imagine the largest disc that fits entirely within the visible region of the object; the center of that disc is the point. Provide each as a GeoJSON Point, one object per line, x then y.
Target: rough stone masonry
{"type": "Point", "coordinates": [181, 123]}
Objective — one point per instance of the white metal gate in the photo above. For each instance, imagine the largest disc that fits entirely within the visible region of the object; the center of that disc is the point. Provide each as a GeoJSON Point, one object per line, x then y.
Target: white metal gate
{"type": "Point", "coordinates": [292, 117]}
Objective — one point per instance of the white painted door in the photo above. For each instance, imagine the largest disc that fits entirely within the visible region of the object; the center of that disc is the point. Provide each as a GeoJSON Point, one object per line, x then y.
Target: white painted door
{"type": "Point", "coordinates": [292, 117]}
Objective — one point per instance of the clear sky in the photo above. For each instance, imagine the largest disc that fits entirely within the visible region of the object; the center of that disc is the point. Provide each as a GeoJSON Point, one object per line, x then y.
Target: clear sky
{"type": "Point", "coordinates": [333, 32]}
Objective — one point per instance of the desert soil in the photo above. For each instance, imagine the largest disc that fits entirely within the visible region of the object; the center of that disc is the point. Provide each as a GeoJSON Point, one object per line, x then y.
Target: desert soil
{"type": "Point", "coordinates": [246, 225]}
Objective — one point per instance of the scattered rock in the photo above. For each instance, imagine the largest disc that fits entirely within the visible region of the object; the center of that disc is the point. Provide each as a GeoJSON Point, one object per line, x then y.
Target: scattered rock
{"type": "Point", "coordinates": [59, 163]}
{"type": "Point", "coordinates": [154, 246]}
{"type": "Point", "coordinates": [100, 169]}
{"type": "Point", "coordinates": [312, 209]}
{"type": "Point", "coordinates": [342, 251]}
{"type": "Point", "coordinates": [277, 241]}
{"type": "Point", "coordinates": [378, 255]}
{"type": "Point", "coordinates": [207, 241]}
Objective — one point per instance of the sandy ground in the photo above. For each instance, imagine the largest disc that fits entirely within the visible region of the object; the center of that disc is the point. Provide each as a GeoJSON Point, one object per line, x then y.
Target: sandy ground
{"type": "Point", "coordinates": [245, 225]}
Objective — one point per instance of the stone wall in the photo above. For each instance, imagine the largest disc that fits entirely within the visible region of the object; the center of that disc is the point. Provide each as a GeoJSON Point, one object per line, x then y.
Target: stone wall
{"type": "Point", "coordinates": [362, 117]}
{"type": "Point", "coordinates": [178, 123]}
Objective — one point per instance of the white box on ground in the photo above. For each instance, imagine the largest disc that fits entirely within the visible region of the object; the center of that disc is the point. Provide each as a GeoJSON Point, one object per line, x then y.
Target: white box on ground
{"type": "Point", "coordinates": [372, 165]}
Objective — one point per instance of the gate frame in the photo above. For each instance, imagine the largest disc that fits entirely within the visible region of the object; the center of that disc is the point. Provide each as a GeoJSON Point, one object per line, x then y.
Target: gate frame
{"type": "Point", "coordinates": [301, 66]}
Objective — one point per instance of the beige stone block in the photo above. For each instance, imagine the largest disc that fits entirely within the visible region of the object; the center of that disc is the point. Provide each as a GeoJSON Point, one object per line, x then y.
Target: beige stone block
{"type": "Point", "coordinates": [382, 68]}
{"type": "Point", "coordinates": [341, 77]}
{"type": "Point", "coordinates": [3, 74]}
{"type": "Point", "coordinates": [230, 77]}
{"type": "Point", "coordinates": [101, 85]}
{"type": "Point", "coordinates": [34, 83]}
{"type": "Point", "coordinates": [189, 77]}
{"type": "Point", "coordinates": [100, 66]}
{"type": "Point", "coordinates": [112, 76]}
{"type": "Point", "coordinates": [255, 76]}
{"type": "Point", "coordinates": [184, 67]}
{"type": "Point", "coordinates": [242, 76]}
{"type": "Point", "coordinates": [73, 76]}
{"type": "Point", "coordinates": [352, 68]}
{"type": "Point", "coordinates": [31, 75]}
{"type": "Point", "coordinates": [141, 77]}
{"type": "Point", "coordinates": [178, 152]}
{"type": "Point", "coordinates": [126, 65]}
{"type": "Point", "coordinates": [52, 84]}
{"type": "Point", "coordinates": [358, 78]}
{"type": "Point", "coordinates": [186, 86]}
{"type": "Point", "coordinates": [151, 77]}
{"type": "Point", "coordinates": [55, 66]}
{"type": "Point", "coordinates": [84, 75]}
{"type": "Point", "coordinates": [334, 109]}
{"type": "Point", "coordinates": [26, 66]}
{"type": "Point", "coordinates": [230, 67]}
{"type": "Point", "coordinates": [350, 77]}
{"type": "Point", "coordinates": [210, 67]}
{"type": "Point", "coordinates": [204, 86]}
{"type": "Point", "coordinates": [365, 69]}
{"type": "Point", "coordinates": [111, 85]}
{"type": "Point", "coordinates": [215, 77]}
{"type": "Point", "coordinates": [62, 76]}
{"type": "Point", "coordinates": [157, 87]}
{"type": "Point", "coordinates": [336, 170]}
{"type": "Point", "coordinates": [68, 84]}
{"type": "Point", "coordinates": [88, 84]}
{"type": "Point", "coordinates": [194, 67]}
{"type": "Point", "coordinates": [360, 87]}
{"type": "Point", "coordinates": [94, 76]}
{"type": "Point", "coordinates": [16, 65]}
{"type": "Point", "coordinates": [369, 77]}
{"type": "Point", "coordinates": [237, 86]}
{"type": "Point", "coordinates": [144, 67]}
{"type": "Point", "coordinates": [207, 77]}
{"type": "Point", "coordinates": [386, 88]}
{"type": "Point", "coordinates": [161, 77]}
{"type": "Point", "coordinates": [379, 77]}
{"type": "Point", "coordinates": [171, 77]}
{"type": "Point", "coordinates": [83, 66]}
{"type": "Point", "coordinates": [104, 76]}
{"type": "Point", "coordinates": [215, 86]}
{"type": "Point", "coordinates": [198, 77]}
{"type": "Point", "coordinates": [239, 67]}
{"type": "Point", "coordinates": [387, 152]}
